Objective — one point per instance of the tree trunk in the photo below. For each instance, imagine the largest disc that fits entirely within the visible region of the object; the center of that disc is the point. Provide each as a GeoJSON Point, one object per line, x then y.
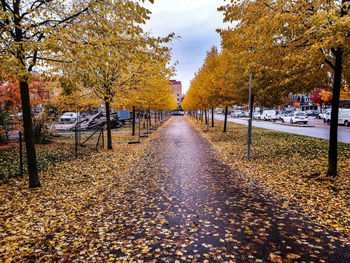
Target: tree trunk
{"type": "Point", "coordinates": [206, 118]}
{"type": "Point", "coordinates": [150, 119]}
{"type": "Point", "coordinates": [333, 136]}
{"type": "Point", "coordinates": [212, 117]}
{"type": "Point", "coordinates": [147, 117]}
{"type": "Point", "coordinates": [29, 136]}
{"type": "Point", "coordinates": [155, 118]}
{"type": "Point", "coordinates": [225, 122]}
{"type": "Point", "coordinates": [108, 119]}
{"type": "Point", "coordinates": [133, 121]}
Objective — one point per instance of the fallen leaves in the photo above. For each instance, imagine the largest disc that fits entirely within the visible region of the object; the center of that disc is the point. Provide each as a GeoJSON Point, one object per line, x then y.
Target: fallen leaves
{"type": "Point", "coordinates": [158, 201]}
{"type": "Point", "coordinates": [73, 210]}
{"type": "Point", "coordinates": [275, 258]}
{"type": "Point", "coordinates": [291, 165]}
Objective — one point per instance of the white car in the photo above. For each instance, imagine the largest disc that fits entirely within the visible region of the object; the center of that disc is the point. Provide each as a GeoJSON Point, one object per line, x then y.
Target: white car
{"type": "Point", "coordinates": [256, 115]}
{"type": "Point", "coordinates": [343, 117]}
{"type": "Point", "coordinates": [327, 117]}
{"type": "Point", "coordinates": [69, 116]}
{"type": "Point", "coordinates": [219, 111]}
{"type": "Point", "coordinates": [236, 114]}
{"type": "Point", "coordinates": [268, 115]}
{"type": "Point", "coordinates": [322, 114]}
{"type": "Point", "coordinates": [295, 118]}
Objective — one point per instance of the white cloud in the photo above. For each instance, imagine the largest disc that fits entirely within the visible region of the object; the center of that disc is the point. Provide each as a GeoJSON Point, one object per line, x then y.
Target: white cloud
{"type": "Point", "coordinates": [195, 21]}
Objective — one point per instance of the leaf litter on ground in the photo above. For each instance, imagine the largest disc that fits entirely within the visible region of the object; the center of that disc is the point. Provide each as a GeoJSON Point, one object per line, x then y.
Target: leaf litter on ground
{"type": "Point", "coordinates": [293, 166]}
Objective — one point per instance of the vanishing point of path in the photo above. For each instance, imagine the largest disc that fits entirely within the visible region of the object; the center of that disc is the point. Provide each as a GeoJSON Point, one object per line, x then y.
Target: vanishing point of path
{"type": "Point", "coordinates": [190, 207]}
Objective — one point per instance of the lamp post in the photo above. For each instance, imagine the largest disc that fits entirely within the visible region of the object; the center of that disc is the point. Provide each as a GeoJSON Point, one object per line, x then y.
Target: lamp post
{"type": "Point", "coordinates": [250, 120]}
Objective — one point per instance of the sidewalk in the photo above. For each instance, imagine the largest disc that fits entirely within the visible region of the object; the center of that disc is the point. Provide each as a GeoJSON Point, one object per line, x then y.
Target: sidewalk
{"type": "Point", "coordinates": [197, 209]}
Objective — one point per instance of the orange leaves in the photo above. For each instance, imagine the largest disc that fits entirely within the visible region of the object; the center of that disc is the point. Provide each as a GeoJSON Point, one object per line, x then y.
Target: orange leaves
{"type": "Point", "coordinates": [10, 96]}
{"type": "Point", "coordinates": [275, 258]}
{"type": "Point", "coordinates": [292, 256]}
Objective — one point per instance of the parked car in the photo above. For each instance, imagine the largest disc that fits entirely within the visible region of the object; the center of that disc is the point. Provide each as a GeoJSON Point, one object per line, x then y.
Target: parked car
{"type": "Point", "coordinates": [309, 112]}
{"type": "Point", "coordinates": [236, 113]}
{"type": "Point", "coordinates": [279, 116]}
{"type": "Point", "coordinates": [245, 114]}
{"type": "Point", "coordinates": [219, 111]}
{"type": "Point", "coordinates": [268, 115]}
{"type": "Point", "coordinates": [256, 115]}
{"type": "Point", "coordinates": [343, 117]}
{"type": "Point", "coordinates": [296, 117]}
{"type": "Point", "coordinates": [322, 114]}
{"type": "Point", "coordinates": [178, 113]}
{"type": "Point", "coordinates": [69, 116]}
{"type": "Point", "coordinates": [315, 113]}
{"type": "Point", "coordinates": [327, 117]}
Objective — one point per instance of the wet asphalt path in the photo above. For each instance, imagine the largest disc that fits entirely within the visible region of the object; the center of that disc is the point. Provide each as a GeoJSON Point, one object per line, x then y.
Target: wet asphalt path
{"type": "Point", "coordinates": [191, 207]}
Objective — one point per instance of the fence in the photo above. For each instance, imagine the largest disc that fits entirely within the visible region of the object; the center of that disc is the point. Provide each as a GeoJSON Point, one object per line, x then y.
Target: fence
{"type": "Point", "coordinates": [62, 145]}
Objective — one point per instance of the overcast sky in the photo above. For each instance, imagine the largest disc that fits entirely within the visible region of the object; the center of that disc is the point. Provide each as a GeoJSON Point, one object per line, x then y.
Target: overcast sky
{"type": "Point", "coordinates": [195, 21]}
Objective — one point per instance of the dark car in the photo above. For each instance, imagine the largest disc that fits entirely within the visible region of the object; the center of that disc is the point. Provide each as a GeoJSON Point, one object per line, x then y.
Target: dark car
{"type": "Point", "coordinates": [178, 113]}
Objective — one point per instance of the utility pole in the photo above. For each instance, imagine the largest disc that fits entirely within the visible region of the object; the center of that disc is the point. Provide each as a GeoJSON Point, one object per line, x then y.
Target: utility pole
{"type": "Point", "coordinates": [250, 120]}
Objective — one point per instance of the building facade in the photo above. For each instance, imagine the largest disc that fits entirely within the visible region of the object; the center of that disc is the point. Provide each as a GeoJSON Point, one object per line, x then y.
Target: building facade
{"type": "Point", "coordinates": [345, 98]}
{"type": "Point", "coordinates": [176, 88]}
{"type": "Point", "coordinates": [301, 101]}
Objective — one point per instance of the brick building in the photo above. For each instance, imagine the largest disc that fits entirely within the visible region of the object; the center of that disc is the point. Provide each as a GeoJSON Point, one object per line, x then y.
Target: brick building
{"type": "Point", "coordinates": [176, 88]}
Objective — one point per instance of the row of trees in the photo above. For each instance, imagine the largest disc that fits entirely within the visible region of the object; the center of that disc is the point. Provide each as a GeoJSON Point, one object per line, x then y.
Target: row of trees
{"type": "Point", "coordinates": [290, 46]}
{"type": "Point", "coordinates": [96, 50]}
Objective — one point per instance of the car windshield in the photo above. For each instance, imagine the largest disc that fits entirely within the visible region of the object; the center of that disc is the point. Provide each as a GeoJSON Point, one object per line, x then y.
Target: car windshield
{"type": "Point", "coordinates": [299, 114]}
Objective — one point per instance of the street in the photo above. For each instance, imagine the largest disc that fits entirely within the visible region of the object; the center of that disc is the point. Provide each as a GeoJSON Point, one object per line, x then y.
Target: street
{"type": "Point", "coordinates": [319, 130]}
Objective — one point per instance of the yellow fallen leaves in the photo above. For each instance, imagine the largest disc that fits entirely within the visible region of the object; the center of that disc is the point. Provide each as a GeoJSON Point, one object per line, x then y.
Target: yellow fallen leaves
{"type": "Point", "coordinates": [292, 256]}
{"type": "Point", "coordinates": [62, 219]}
{"type": "Point", "coordinates": [275, 258]}
{"type": "Point", "coordinates": [291, 165]}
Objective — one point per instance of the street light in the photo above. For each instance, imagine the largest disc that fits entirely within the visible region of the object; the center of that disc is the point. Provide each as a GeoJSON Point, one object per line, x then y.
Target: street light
{"type": "Point", "coordinates": [250, 120]}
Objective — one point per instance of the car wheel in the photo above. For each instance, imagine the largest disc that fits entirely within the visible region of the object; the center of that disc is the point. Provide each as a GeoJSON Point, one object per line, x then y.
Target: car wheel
{"type": "Point", "coordinates": [346, 123]}
{"type": "Point", "coordinates": [282, 120]}
{"type": "Point", "coordinates": [324, 120]}
{"type": "Point", "coordinates": [328, 122]}
{"type": "Point", "coordinates": [291, 121]}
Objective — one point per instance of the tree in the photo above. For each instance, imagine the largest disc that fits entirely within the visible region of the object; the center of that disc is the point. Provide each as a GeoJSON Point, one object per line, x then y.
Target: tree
{"type": "Point", "coordinates": [24, 26]}
{"type": "Point", "coordinates": [321, 97]}
{"type": "Point", "coordinates": [10, 96]}
{"type": "Point", "coordinates": [149, 86]}
{"type": "Point", "coordinates": [219, 82]}
{"type": "Point", "coordinates": [298, 46]}
{"type": "Point", "coordinates": [106, 56]}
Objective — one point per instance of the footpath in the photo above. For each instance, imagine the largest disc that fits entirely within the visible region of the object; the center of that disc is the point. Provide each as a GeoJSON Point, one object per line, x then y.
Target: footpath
{"type": "Point", "coordinates": [197, 209]}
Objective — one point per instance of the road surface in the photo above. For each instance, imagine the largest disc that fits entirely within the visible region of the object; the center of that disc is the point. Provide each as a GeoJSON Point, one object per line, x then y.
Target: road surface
{"type": "Point", "coordinates": [318, 131]}
{"type": "Point", "coordinates": [193, 208]}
